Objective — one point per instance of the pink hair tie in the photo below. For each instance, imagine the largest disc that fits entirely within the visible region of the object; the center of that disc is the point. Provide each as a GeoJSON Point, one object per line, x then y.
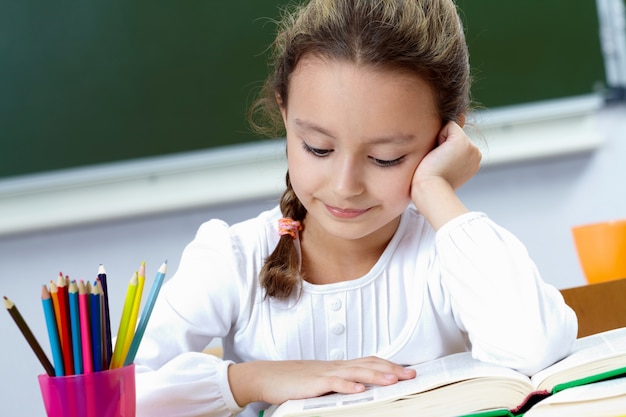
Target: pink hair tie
{"type": "Point", "coordinates": [287, 226]}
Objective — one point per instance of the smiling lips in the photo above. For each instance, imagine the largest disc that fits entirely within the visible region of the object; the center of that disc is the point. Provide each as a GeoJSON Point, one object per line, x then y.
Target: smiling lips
{"type": "Point", "coordinates": [345, 213]}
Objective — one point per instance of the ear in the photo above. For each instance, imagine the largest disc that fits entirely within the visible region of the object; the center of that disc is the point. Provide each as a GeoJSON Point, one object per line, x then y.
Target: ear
{"type": "Point", "coordinates": [460, 120]}
{"type": "Point", "coordinates": [281, 106]}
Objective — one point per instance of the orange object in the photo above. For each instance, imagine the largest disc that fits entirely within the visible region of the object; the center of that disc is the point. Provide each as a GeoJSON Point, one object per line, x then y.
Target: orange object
{"type": "Point", "coordinates": [601, 249]}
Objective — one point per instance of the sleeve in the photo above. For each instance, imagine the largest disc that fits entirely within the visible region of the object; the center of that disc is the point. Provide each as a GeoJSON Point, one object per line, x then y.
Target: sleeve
{"type": "Point", "coordinates": [511, 316]}
{"type": "Point", "coordinates": [200, 302]}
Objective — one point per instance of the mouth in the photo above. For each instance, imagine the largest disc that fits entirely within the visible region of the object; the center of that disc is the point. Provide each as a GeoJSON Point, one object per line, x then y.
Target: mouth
{"type": "Point", "coordinates": [345, 213]}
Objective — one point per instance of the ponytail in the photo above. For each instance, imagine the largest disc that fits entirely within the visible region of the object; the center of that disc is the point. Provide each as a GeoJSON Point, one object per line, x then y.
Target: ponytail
{"type": "Point", "coordinates": [281, 275]}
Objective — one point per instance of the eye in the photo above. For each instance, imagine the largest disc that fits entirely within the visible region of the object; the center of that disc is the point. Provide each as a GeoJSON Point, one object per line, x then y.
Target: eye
{"type": "Point", "coordinates": [387, 163]}
{"type": "Point", "coordinates": [316, 151]}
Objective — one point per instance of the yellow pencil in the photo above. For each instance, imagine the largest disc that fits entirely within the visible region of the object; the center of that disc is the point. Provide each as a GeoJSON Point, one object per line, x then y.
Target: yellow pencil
{"type": "Point", "coordinates": [132, 322]}
{"type": "Point", "coordinates": [117, 360]}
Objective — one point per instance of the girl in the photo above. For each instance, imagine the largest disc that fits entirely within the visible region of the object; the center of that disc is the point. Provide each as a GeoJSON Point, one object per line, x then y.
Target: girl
{"type": "Point", "coordinates": [371, 261]}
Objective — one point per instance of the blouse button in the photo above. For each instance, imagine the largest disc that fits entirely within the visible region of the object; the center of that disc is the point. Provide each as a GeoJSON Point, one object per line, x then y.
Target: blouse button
{"type": "Point", "coordinates": [338, 328]}
{"type": "Point", "coordinates": [335, 304]}
{"type": "Point", "coordinates": [337, 354]}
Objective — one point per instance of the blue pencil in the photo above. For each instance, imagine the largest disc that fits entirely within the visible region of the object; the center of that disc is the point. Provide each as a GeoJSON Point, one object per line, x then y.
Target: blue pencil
{"type": "Point", "coordinates": [96, 329]}
{"type": "Point", "coordinates": [145, 314]}
{"type": "Point", "coordinates": [75, 326]}
{"type": "Point", "coordinates": [53, 333]}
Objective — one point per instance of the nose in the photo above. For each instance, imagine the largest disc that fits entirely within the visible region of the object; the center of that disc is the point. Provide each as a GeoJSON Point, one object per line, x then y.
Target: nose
{"type": "Point", "coordinates": [348, 177]}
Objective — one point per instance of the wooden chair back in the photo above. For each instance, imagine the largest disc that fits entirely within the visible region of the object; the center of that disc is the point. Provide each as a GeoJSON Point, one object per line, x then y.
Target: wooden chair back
{"type": "Point", "coordinates": [599, 306]}
{"type": "Point", "coordinates": [214, 350]}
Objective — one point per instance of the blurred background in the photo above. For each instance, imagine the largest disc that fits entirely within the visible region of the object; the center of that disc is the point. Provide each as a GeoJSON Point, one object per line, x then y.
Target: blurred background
{"type": "Point", "coordinates": [123, 128]}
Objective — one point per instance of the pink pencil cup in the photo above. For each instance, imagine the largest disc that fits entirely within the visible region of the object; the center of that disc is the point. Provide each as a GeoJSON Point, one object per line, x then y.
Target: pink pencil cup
{"type": "Point", "coordinates": [109, 393]}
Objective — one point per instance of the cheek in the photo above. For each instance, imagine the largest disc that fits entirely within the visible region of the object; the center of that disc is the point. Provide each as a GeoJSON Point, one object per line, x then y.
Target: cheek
{"type": "Point", "coordinates": [393, 186]}
{"type": "Point", "coordinates": [398, 186]}
{"type": "Point", "coordinates": [402, 190]}
{"type": "Point", "coordinates": [300, 173]}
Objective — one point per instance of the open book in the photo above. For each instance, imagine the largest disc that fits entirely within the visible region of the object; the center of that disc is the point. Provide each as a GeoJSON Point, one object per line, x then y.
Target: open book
{"type": "Point", "coordinates": [458, 385]}
{"type": "Point", "coordinates": [599, 399]}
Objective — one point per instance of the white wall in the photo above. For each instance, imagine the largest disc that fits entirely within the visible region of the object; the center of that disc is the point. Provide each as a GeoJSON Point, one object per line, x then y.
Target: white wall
{"type": "Point", "coordinates": [539, 201]}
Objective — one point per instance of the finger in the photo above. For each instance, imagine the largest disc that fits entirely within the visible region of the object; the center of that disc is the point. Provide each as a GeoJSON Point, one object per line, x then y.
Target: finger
{"type": "Point", "coordinates": [446, 131]}
{"type": "Point", "coordinates": [460, 120]}
{"type": "Point", "coordinates": [373, 376]}
{"type": "Point", "coordinates": [385, 366]}
{"type": "Point", "coordinates": [343, 386]}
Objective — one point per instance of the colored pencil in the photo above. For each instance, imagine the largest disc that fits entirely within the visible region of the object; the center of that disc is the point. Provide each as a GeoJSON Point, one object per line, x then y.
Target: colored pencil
{"type": "Point", "coordinates": [118, 352]}
{"type": "Point", "coordinates": [85, 327]}
{"type": "Point", "coordinates": [28, 334]}
{"type": "Point", "coordinates": [134, 314]}
{"type": "Point", "coordinates": [145, 314]}
{"type": "Point", "coordinates": [108, 341]}
{"type": "Point", "coordinates": [96, 328]}
{"type": "Point", "coordinates": [77, 351]}
{"type": "Point", "coordinates": [53, 332]}
{"type": "Point", "coordinates": [54, 295]}
{"type": "Point", "coordinates": [65, 332]}
{"type": "Point", "coordinates": [105, 362]}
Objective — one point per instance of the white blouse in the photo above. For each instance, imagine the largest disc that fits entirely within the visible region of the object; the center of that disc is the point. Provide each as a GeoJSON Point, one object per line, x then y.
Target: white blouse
{"type": "Point", "coordinates": [469, 286]}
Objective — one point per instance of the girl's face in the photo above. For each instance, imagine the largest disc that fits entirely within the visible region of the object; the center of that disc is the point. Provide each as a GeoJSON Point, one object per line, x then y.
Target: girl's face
{"type": "Point", "coordinates": [355, 136]}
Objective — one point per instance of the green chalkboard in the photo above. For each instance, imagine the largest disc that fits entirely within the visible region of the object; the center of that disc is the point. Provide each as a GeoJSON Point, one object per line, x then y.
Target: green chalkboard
{"type": "Point", "coordinates": [85, 82]}
{"type": "Point", "coordinates": [88, 82]}
{"type": "Point", "coordinates": [531, 50]}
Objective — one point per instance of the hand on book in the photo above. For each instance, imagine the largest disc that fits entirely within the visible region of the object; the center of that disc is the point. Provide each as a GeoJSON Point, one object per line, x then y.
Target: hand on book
{"type": "Point", "coordinates": [277, 381]}
{"type": "Point", "coordinates": [458, 385]}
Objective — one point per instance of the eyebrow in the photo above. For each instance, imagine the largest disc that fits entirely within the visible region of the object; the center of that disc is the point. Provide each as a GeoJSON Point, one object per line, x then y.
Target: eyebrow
{"type": "Point", "coordinates": [311, 126]}
{"type": "Point", "coordinates": [394, 138]}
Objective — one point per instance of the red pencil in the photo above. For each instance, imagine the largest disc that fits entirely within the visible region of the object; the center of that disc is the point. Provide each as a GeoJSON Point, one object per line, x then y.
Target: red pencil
{"type": "Point", "coordinates": [64, 331]}
{"type": "Point", "coordinates": [85, 323]}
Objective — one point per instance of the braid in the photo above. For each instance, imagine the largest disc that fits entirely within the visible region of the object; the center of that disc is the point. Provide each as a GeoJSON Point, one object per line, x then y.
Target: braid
{"type": "Point", "coordinates": [280, 274]}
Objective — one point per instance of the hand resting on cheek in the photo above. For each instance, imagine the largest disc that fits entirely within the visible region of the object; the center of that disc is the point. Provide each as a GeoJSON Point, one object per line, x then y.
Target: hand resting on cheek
{"type": "Point", "coordinates": [443, 170]}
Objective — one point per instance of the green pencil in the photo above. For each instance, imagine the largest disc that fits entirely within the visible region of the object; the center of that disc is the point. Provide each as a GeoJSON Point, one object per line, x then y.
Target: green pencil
{"type": "Point", "coordinates": [145, 314]}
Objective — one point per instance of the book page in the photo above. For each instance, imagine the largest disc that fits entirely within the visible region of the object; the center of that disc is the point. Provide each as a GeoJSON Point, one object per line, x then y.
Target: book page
{"type": "Point", "coordinates": [430, 375]}
{"type": "Point", "coordinates": [604, 398]}
{"type": "Point", "coordinates": [589, 355]}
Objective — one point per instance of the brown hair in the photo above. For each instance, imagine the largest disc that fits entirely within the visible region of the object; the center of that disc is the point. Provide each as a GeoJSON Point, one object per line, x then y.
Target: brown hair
{"type": "Point", "coordinates": [424, 37]}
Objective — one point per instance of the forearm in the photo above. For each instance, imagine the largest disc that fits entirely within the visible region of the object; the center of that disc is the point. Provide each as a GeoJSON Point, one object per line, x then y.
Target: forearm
{"type": "Point", "coordinates": [437, 201]}
{"type": "Point", "coordinates": [277, 381]}
{"type": "Point", "coordinates": [243, 380]}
